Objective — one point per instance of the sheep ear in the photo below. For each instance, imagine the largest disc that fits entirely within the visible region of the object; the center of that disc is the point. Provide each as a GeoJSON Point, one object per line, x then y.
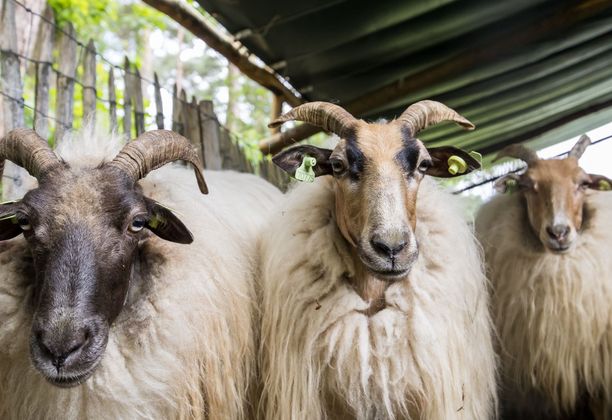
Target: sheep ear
{"type": "Point", "coordinates": [600, 183]}
{"type": "Point", "coordinates": [443, 157]}
{"type": "Point", "coordinates": [507, 183]}
{"type": "Point", "coordinates": [166, 225]}
{"type": "Point", "coordinates": [9, 228]}
{"type": "Point", "coordinates": [290, 160]}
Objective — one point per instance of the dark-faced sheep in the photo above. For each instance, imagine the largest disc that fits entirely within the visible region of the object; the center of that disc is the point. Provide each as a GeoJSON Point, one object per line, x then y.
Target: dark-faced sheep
{"type": "Point", "coordinates": [374, 297]}
{"type": "Point", "coordinates": [105, 312]}
{"type": "Point", "coordinates": [547, 245]}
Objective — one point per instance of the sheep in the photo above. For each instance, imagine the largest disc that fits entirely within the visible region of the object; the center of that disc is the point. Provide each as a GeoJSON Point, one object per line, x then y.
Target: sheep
{"type": "Point", "coordinates": [374, 303]}
{"type": "Point", "coordinates": [547, 248]}
{"type": "Point", "coordinates": [105, 313]}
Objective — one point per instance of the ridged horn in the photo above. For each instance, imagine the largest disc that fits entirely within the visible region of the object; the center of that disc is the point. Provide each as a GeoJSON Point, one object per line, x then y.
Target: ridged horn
{"type": "Point", "coordinates": [154, 149]}
{"type": "Point", "coordinates": [330, 117]}
{"type": "Point", "coordinates": [583, 142]}
{"type": "Point", "coordinates": [422, 114]}
{"type": "Point", "coordinates": [518, 151]}
{"type": "Point", "coordinates": [27, 149]}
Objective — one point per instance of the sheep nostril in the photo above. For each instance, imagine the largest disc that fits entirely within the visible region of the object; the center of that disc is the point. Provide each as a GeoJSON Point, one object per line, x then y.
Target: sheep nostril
{"type": "Point", "coordinates": [387, 249]}
{"type": "Point", "coordinates": [558, 232]}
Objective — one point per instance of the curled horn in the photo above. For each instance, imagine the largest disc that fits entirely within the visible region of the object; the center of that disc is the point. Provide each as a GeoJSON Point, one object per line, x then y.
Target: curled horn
{"type": "Point", "coordinates": [27, 149]}
{"type": "Point", "coordinates": [583, 142]}
{"type": "Point", "coordinates": [420, 115]}
{"type": "Point", "coordinates": [518, 151]}
{"type": "Point", "coordinates": [153, 150]}
{"type": "Point", "coordinates": [330, 117]}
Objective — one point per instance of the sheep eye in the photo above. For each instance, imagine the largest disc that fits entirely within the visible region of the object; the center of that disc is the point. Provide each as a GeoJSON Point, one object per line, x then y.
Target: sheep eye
{"type": "Point", "coordinates": [24, 223]}
{"type": "Point", "coordinates": [424, 166]}
{"type": "Point", "coordinates": [337, 166]}
{"type": "Point", "coordinates": [137, 225]}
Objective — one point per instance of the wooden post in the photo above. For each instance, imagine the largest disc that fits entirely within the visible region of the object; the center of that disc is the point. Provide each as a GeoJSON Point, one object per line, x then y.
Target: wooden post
{"type": "Point", "coordinates": [138, 102]}
{"type": "Point", "coordinates": [184, 110]}
{"type": "Point", "coordinates": [43, 53]}
{"type": "Point", "coordinates": [13, 105]}
{"type": "Point", "coordinates": [177, 110]}
{"type": "Point", "coordinates": [112, 99]}
{"type": "Point", "coordinates": [192, 126]}
{"type": "Point", "coordinates": [127, 99]}
{"type": "Point", "coordinates": [11, 76]}
{"type": "Point", "coordinates": [65, 82]}
{"type": "Point", "coordinates": [89, 84]}
{"type": "Point", "coordinates": [277, 109]}
{"type": "Point", "coordinates": [159, 116]}
{"type": "Point", "coordinates": [210, 135]}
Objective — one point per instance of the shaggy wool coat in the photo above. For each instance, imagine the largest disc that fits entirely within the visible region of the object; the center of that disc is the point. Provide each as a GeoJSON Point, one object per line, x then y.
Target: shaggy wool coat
{"type": "Point", "coordinates": [428, 355]}
{"type": "Point", "coordinates": [183, 346]}
{"type": "Point", "coordinates": [553, 312]}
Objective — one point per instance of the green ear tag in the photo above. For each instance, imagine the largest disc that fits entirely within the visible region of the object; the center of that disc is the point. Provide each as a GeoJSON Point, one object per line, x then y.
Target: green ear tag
{"type": "Point", "coordinates": [604, 185]}
{"type": "Point", "coordinates": [11, 217]}
{"type": "Point", "coordinates": [511, 185]}
{"type": "Point", "coordinates": [305, 173]}
{"type": "Point", "coordinates": [477, 156]}
{"type": "Point", "coordinates": [155, 222]}
{"type": "Point", "coordinates": [456, 165]}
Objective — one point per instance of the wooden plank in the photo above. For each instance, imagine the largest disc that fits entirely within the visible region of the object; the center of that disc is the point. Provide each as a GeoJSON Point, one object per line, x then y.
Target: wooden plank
{"type": "Point", "coordinates": [43, 53]}
{"type": "Point", "coordinates": [127, 98]}
{"type": "Point", "coordinates": [159, 116]}
{"type": "Point", "coordinates": [13, 177]}
{"type": "Point", "coordinates": [192, 126]}
{"type": "Point", "coordinates": [10, 67]}
{"type": "Point", "coordinates": [112, 99]}
{"type": "Point", "coordinates": [210, 135]}
{"type": "Point", "coordinates": [139, 116]}
{"type": "Point", "coordinates": [177, 112]}
{"type": "Point", "coordinates": [65, 82]}
{"type": "Point", "coordinates": [194, 21]}
{"type": "Point", "coordinates": [225, 147]}
{"type": "Point", "coordinates": [89, 84]}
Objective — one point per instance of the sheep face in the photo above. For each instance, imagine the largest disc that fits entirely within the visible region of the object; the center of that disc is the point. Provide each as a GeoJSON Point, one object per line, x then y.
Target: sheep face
{"type": "Point", "coordinates": [377, 169]}
{"type": "Point", "coordinates": [554, 191]}
{"type": "Point", "coordinates": [83, 227]}
{"type": "Point", "coordinates": [83, 230]}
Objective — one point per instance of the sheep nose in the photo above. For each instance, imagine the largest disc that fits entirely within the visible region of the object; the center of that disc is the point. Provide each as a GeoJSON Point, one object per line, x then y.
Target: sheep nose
{"type": "Point", "coordinates": [558, 232]}
{"type": "Point", "coordinates": [57, 348]}
{"type": "Point", "coordinates": [388, 247]}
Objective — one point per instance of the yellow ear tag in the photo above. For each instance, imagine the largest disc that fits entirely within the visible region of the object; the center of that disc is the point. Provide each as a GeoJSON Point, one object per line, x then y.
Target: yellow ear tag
{"type": "Point", "coordinates": [11, 217]}
{"type": "Point", "coordinates": [305, 172]}
{"type": "Point", "coordinates": [155, 222]}
{"type": "Point", "coordinates": [604, 185]}
{"type": "Point", "coordinates": [456, 165]}
{"type": "Point", "coordinates": [511, 185]}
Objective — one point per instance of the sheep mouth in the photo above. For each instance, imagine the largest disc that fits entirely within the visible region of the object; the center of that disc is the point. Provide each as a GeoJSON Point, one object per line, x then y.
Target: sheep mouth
{"type": "Point", "coordinates": [390, 275]}
{"type": "Point", "coordinates": [70, 381]}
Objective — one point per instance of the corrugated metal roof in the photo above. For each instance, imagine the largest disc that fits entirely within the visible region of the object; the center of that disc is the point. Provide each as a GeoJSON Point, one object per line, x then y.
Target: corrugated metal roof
{"type": "Point", "coordinates": [518, 69]}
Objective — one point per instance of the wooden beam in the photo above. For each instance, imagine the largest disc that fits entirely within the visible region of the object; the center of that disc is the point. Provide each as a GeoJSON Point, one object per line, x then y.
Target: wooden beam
{"type": "Point", "coordinates": [505, 44]}
{"type": "Point", "coordinates": [191, 19]}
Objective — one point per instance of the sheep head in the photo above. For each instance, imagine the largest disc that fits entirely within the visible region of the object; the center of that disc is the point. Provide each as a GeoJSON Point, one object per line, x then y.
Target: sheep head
{"type": "Point", "coordinates": [555, 191]}
{"type": "Point", "coordinates": [377, 169]}
{"type": "Point", "coordinates": [83, 228]}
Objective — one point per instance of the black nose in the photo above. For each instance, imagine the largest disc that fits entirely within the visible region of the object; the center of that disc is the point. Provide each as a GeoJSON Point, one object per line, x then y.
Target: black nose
{"type": "Point", "coordinates": [57, 348]}
{"type": "Point", "coordinates": [388, 248]}
{"type": "Point", "coordinates": [558, 232]}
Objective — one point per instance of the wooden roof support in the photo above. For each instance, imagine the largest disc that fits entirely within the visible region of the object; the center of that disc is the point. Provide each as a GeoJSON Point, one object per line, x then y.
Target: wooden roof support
{"type": "Point", "coordinates": [504, 45]}
{"type": "Point", "coordinates": [191, 19]}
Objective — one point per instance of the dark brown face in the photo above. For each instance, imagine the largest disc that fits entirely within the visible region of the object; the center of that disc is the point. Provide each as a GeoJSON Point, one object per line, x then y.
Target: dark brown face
{"type": "Point", "coordinates": [83, 230]}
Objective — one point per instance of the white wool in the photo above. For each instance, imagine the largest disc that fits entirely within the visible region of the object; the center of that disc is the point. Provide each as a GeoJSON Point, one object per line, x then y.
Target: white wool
{"type": "Point", "coordinates": [553, 312]}
{"type": "Point", "coordinates": [183, 347]}
{"type": "Point", "coordinates": [428, 355]}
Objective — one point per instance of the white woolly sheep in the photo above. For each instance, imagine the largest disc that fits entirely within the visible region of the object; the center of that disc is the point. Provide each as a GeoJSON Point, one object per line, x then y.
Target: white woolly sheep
{"type": "Point", "coordinates": [101, 315]}
{"type": "Point", "coordinates": [547, 248]}
{"type": "Point", "coordinates": [374, 302]}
